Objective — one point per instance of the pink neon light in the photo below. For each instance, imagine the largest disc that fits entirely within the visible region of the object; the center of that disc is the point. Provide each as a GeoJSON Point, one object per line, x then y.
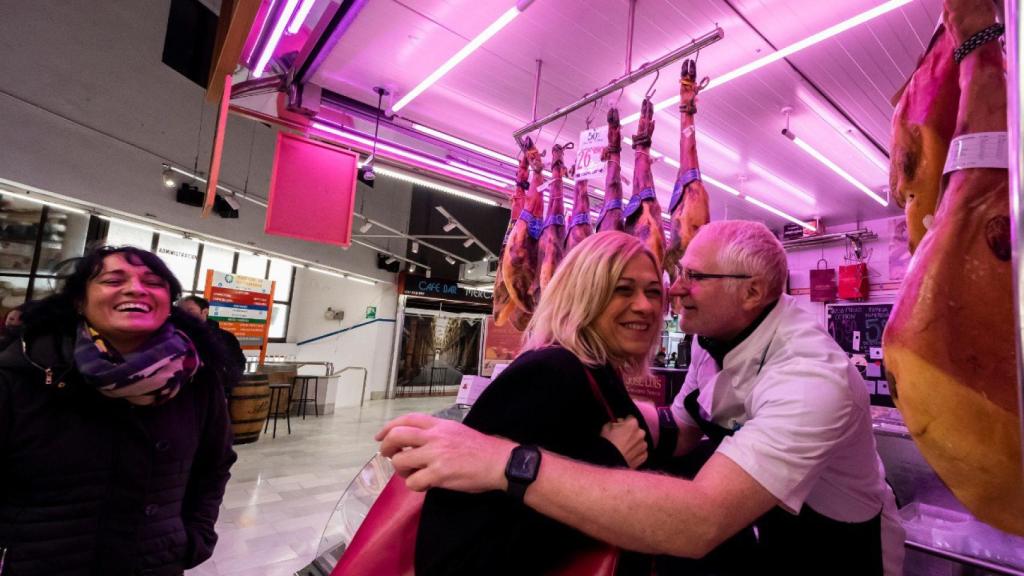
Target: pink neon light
{"type": "Point", "coordinates": [423, 161]}
{"type": "Point", "coordinates": [465, 144]}
{"type": "Point", "coordinates": [300, 16]}
{"type": "Point", "coordinates": [275, 37]}
{"type": "Point", "coordinates": [784, 52]}
{"type": "Point", "coordinates": [835, 168]}
{"type": "Point", "coordinates": [475, 170]}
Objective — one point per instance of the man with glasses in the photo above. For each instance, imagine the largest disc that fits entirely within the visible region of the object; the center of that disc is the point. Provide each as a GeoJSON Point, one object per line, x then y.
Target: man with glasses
{"type": "Point", "coordinates": [773, 400]}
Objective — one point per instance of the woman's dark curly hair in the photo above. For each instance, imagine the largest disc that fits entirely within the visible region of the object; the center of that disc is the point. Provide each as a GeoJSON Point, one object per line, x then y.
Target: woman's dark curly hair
{"type": "Point", "coordinates": [60, 312]}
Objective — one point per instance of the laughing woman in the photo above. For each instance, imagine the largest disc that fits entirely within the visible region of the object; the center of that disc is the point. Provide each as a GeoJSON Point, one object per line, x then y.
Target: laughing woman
{"type": "Point", "coordinates": [114, 439]}
{"type": "Point", "coordinates": [596, 325]}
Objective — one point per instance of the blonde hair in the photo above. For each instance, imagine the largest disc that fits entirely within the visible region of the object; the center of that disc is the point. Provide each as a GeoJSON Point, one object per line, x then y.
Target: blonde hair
{"type": "Point", "coordinates": [580, 290]}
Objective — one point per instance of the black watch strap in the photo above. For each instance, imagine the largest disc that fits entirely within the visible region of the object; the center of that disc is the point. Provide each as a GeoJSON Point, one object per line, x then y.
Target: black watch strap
{"type": "Point", "coordinates": [668, 434]}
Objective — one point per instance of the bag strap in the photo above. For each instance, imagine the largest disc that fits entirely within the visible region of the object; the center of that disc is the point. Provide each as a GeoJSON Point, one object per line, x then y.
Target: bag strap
{"type": "Point", "coordinates": [597, 392]}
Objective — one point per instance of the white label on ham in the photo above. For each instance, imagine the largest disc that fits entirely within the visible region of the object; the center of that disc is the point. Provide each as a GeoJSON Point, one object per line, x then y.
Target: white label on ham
{"type": "Point", "coordinates": [588, 158]}
{"type": "Point", "coordinates": [978, 150]}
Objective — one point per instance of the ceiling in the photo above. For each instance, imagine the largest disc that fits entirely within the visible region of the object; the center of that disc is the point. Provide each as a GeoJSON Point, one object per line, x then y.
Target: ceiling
{"type": "Point", "coordinates": [582, 46]}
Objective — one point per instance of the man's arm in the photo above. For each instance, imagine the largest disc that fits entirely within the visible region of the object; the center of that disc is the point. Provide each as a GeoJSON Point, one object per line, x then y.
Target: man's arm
{"type": "Point", "coordinates": [688, 436]}
{"type": "Point", "coordinates": [634, 510]}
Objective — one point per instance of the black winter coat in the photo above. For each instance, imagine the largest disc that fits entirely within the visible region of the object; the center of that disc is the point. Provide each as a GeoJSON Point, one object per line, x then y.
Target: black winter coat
{"type": "Point", "coordinates": [91, 485]}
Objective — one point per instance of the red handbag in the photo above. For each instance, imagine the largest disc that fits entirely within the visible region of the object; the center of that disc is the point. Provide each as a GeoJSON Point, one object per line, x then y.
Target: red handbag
{"type": "Point", "coordinates": [823, 283]}
{"type": "Point", "coordinates": [853, 281]}
{"type": "Point", "coordinates": [385, 544]}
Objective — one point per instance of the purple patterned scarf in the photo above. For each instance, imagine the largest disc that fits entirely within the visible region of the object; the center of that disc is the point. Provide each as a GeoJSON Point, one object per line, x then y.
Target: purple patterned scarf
{"type": "Point", "coordinates": [149, 376]}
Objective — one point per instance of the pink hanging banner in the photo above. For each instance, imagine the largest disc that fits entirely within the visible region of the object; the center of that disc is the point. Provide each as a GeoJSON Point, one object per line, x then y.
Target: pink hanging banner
{"type": "Point", "coordinates": [312, 191]}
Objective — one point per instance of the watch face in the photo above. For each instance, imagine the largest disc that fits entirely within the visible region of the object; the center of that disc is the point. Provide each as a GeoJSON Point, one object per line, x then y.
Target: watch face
{"type": "Point", "coordinates": [524, 464]}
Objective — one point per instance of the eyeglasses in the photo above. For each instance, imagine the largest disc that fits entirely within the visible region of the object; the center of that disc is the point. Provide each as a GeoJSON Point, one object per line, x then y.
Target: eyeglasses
{"type": "Point", "coordinates": [692, 276]}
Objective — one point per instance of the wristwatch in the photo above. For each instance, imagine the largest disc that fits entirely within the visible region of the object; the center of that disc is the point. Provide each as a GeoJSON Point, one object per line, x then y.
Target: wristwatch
{"type": "Point", "coordinates": [521, 470]}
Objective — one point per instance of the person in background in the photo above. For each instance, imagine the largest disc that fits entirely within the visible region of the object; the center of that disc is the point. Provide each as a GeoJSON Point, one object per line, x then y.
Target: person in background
{"type": "Point", "coordinates": [115, 445]}
{"type": "Point", "coordinates": [597, 323]}
{"type": "Point", "coordinates": [200, 308]}
{"type": "Point", "coordinates": [11, 321]}
{"type": "Point", "coordinates": [783, 407]}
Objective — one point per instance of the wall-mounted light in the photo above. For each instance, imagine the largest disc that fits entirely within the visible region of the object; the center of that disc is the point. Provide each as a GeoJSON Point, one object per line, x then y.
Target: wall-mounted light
{"type": "Point", "coordinates": [415, 247]}
{"type": "Point", "coordinates": [449, 226]}
{"type": "Point", "coordinates": [412, 268]}
{"type": "Point", "coordinates": [449, 260]}
{"type": "Point", "coordinates": [468, 242]}
{"type": "Point", "coordinates": [365, 227]}
{"type": "Point", "coordinates": [170, 178]}
{"type": "Point", "coordinates": [390, 260]}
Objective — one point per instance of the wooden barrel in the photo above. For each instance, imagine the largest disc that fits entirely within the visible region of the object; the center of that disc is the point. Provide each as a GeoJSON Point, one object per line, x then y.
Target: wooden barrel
{"type": "Point", "coordinates": [250, 404]}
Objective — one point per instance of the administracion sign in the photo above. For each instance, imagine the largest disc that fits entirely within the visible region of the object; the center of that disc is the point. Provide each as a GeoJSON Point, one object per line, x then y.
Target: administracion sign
{"type": "Point", "coordinates": [241, 305]}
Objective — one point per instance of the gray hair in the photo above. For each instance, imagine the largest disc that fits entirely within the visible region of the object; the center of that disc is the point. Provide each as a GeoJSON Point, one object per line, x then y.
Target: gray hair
{"type": "Point", "coordinates": [751, 248]}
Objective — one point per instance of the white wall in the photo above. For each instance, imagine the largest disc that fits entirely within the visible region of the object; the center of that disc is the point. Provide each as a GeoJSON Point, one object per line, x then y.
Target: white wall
{"type": "Point", "coordinates": [884, 280]}
{"type": "Point", "coordinates": [368, 346]}
{"type": "Point", "coordinates": [89, 111]}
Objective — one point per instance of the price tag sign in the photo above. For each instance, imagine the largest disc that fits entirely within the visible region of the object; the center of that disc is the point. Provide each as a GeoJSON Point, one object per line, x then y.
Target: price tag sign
{"type": "Point", "coordinates": [588, 160]}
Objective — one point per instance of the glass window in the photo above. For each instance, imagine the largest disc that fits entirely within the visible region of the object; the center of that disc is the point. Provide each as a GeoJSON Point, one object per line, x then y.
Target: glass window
{"type": "Point", "coordinates": [12, 292]}
{"type": "Point", "coordinates": [180, 255]}
{"type": "Point", "coordinates": [281, 272]}
{"type": "Point", "coordinates": [19, 227]}
{"type": "Point", "coordinates": [43, 287]}
{"type": "Point", "coordinates": [63, 238]}
{"type": "Point", "coordinates": [214, 258]}
{"type": "Point", "coordinates": [251, 265]}
{"type": "Point", "coordinates": [119, 234]}
{"type": "Point", "coordinates": [279, 321]}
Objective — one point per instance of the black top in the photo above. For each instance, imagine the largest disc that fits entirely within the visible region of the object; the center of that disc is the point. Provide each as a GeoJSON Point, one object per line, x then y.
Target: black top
{"type": "Point", "coordinates": [91, 485]}
{"type": "Point", "coordinates": [542, 398]}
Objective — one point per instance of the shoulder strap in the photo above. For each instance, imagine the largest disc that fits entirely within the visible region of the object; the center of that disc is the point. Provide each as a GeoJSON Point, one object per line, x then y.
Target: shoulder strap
{"type": "Point", "coordinates": [597, 393]}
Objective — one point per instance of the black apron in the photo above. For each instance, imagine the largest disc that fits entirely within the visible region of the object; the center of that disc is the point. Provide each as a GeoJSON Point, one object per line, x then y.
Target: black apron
{"type": "Point", "coordinates": [778, 542]}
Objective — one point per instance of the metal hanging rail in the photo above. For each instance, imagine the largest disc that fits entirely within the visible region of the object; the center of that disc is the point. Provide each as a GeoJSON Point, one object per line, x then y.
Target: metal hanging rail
{"type": "Point", "coordinates": [691, 48]}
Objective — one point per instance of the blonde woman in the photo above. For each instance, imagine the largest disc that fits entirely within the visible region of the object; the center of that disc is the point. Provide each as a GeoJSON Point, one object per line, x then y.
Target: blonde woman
{"type": "Point", "coordinates": [597, 323]}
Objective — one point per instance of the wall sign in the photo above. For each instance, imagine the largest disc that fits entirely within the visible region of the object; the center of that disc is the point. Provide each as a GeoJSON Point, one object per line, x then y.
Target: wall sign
{"type": "Point", "coordinates": [858, 328]}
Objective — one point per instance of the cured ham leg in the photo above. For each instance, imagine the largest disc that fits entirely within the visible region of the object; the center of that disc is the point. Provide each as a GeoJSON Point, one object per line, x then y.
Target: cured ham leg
{"type": "Point", "coordinates": [519, 262]}
{"type": "Point", "coordinates": [949, 344]}
{"type": "Point", "coordinates": [643, 213]}
{"type": "Point", "coordinates": [689, 205]}
{"type": "Point", "coordinates": [549, 249]}
{"type": "Point", "coordinates": [610, 217]}
{"type": "Point", "coordinates": [501, 309]}
{"type": "Point", "coordinates": [922, 127]}
{"type": "Point", "coordinates": [579, 223]}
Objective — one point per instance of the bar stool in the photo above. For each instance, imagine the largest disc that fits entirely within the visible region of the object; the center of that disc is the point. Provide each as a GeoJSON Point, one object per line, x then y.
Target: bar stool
{"type": "Point", "coordinates": [302, 400]}
{"type": "Point", "coordinates": [276, 401]}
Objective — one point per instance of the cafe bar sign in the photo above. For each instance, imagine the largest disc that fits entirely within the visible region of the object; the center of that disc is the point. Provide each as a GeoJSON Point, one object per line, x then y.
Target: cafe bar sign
{"type": "Point", "coordinates": [416, 285]}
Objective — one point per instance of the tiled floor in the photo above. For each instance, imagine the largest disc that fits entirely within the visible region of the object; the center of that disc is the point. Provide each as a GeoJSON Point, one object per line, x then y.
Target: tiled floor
{"type": "Point", "coordinates": [283, 490]}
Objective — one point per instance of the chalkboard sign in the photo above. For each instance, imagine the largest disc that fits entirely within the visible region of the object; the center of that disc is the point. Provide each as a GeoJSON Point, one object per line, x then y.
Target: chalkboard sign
{"type": "Point", "coordinates": [858, 330]}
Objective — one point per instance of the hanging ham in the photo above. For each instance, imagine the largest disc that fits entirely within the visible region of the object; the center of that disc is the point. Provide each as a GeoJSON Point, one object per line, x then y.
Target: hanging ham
{"type": "Point", "coordinates": [923, 123]}
{"type": "Point", "coordinates": [949, 344]}
{"type": "Point", "coordinates": [643, 213]}
{"type": "Point", "coordinates": [519, 262]}
{"type": "Point", "coordinates": [689, 204]}
{"type": "Point", "coordinates": [549, 249]}
{"type": "Point", "coordinates": [610, 217]}
{"type": "Point", "coordinates": [579, 222]}
{"type": "Point", "coordinates": [501, 309]}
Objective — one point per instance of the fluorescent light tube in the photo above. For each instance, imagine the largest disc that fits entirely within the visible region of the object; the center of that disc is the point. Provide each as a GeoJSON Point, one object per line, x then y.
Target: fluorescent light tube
{"type": "Point", "coordinates": [784, 52]}
{"type": "Point", "coordinates": [459, 56]}
{"type": "Point", "coordinates": [833, 166]}
{"type": "Point", "coordinates": [274, 38]}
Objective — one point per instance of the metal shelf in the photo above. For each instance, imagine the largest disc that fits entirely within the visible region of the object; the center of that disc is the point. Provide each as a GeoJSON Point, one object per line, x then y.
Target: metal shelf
{"type": "Point", "coordinates": [855, 236]}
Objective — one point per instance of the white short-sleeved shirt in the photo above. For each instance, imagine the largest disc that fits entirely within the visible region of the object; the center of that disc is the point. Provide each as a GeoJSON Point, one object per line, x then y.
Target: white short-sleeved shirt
{"type": "Point", "coordinates": [802, 421]}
